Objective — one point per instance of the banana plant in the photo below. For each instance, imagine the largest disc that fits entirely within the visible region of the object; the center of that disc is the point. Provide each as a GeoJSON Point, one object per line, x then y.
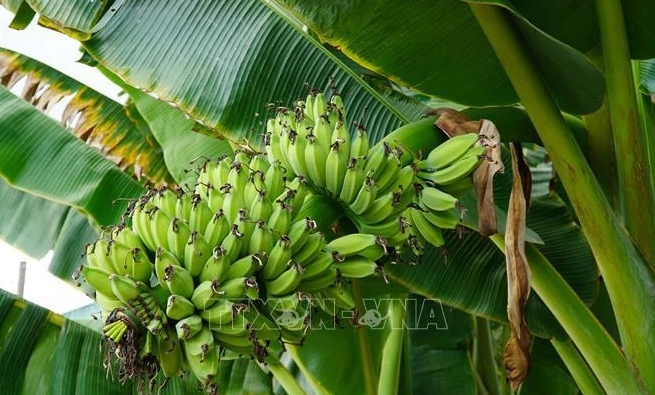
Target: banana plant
{"type": "Point", "coordinates": [573, 80]}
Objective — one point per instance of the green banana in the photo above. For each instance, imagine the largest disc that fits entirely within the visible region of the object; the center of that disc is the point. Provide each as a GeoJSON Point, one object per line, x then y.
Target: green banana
{"type": "Point", "coordinates": [278, 259]}
{"type": "Point", "coordinates": [379, 210]}
{"type": "Point", "coordinates": [352, 180]}
{"type": "Point", "coordinates": [219, 314]}
{"type": "Point", "coordinates": [166, 200]}
{"type": "Point", "coordinates": [341, 295]}
{"type": "Point", "coordinates": [353, 244]}
{"type": "Point", "coordinates": [125, 288]}
{"type": "Point", "coordinates": [163, 259]}
{"type": "Point", "coordinates": [169, 353]}
{"type": "Point", "coordinates": [310, 249]}
{"type": "Point", "coordinates": [335, 166]}
{"type": "Point", "coordinates": [178, 236]}
{"type": "Point", "coordinates": [196, 253]}
{"type": "Point", "coordinates": [315, 159]}
{"type": "Point", "coordinates": [200, 215]}
{"type": "Point", "coordinates": [285, 282]}
{"type": "Point", "coordinates": [453, 173]}
{"type": "Point", "coordinates": [231, 244]}
{"type": "Point", "coordinates": [217, 228]}
{"type": "Point", "coordinates": [183, 206]}
{"type": "Point", "coordinates": [205, 294]}
{"type": "Point", "coordinates": [274, 179]}
{"type": "Point", "coordinates": [448, 152]}
{"type": "Point", "coordinates": [436, 200]}
{"type": "Point", "coordinates": [246, 266]}
{"type": "Point", "coordinates": [280, 219]}
{"type": "Point", "coordinates": [357, 267]}
{"type": "Point", "coordinates": [216, 267]}
{"type": "Point", "coordinates": [299, 232]}
{"type": "Point", "coordinates": [365, 197]}
{"type": "Point", "coordinates": [318, 266]}
{"type": "Point", "coordinates": [179, 307]}
{"type": "Point", "coordinates": [360, 145]}
{"type": "Point", "coordinates": [426, 229]}
{"type": "Point", "coordinates": [97, 255]}
{"type": "Point", "coordinates": [262, 240]}
{"type": "Point", "coordinates": [188, 327]}
{"type": "Point", "coordinates": [326, 279]}
{"type": "Point", "coordinates": [98, 279]}
{"type": "Point", "coordinates": [178, 280]}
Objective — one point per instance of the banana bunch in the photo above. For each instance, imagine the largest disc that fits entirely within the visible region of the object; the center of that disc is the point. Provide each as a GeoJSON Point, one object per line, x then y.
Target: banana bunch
{"type": "Point", "coordinates": [196, 271]}
{"type": "Point", "coordinates": [384, 189]}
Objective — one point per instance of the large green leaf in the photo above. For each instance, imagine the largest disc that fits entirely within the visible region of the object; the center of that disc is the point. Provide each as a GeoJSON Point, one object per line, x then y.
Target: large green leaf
{"type": "Point", "coordinates": [39, 156]}
{"type": "Point", "coordinates": [43, 353]}
{"type": "Point", "coordinates": [223, 73]}
{"type": "Point", "coordinates": [443, 52]}
{"type": "Point", "coordinates": [76, 232]}
{"type": "Point", "coordinates": [94, 118]}
{"type": "Point", "coordinates": [73, 17]}
{"type": "Point", "coordinates": [28, 222]}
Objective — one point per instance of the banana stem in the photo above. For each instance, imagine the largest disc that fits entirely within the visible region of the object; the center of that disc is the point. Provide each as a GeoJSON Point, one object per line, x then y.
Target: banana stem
{"type": "Point", "coordinates": [483, 358]}
{"type": "Point", "coordinates": [283, 376]}
{"type": "Point", "coordinates": [578, 368]}
{"type": "Point", "coordinates": [630, 282]}
{"type": "Point", "coordinates": [591, 338]}
{"type": "Point", "coordinates": [393, 350]}
{"type": "Point", "coordinates": [370, 376]}
{"type": "Point", "coordinates": [636, 202]}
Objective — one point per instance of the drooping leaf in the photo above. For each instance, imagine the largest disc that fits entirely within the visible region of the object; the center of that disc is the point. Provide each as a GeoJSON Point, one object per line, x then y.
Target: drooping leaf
{"type": "Point", "coordinates": [517, 351]}
{"type": "Point", "coordinates": [40, 157]}
{"type": "Point", "coordinates": [29, 223]}
{"type": "Point", "coordinates": [73, 17]}
{"type": "Point", "coordinates": [444, 53]}
{"type": "Point", "coordinates": [76, 232]}
{"type": "Point", "coordinates": [94, 118]}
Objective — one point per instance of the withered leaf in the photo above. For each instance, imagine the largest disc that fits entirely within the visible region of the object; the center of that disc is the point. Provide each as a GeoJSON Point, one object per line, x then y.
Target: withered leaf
{"type": "Point", "coordinates": [517, 350]}
{"type": "Point", "coordinates": [483, 178]}
{"type": "Point", "coordinates": [453, 122]}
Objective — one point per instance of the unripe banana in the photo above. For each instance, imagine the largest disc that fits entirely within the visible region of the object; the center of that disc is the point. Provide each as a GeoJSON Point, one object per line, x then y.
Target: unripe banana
{"type": "Point", "coordinates": [188, 327]}
{"type": "Point", "coordinates": [436, 200]}
{"type": "Point", "coordinates": [319, 265]}
{"type": "Point", "coordinates": [376, 159]}
{"type": "Point", "coordinates": [460, 187]}
{"type": "Point", "coordinates": [107, 303]}
{"type": "Point", "coordinates": [315, 159]}
{"type": "Point", "coordinates": [141, 266]}
{"type": "Point", "coordinates": [360, 145]}
{"type": "Point", "coordinates": [308, 107]}
{"type": "Point", "coordinates": [336, 166]}
{"type": "Point", "coordinates": [261, 207]}
{"type": "Point", "coordinates": [239, 288]}
{"type": "Point", "coordinates": [196, 253]}
{"type": "Point", "coordinates": [280, 219]}
{"type": "Point", "coordinates": [262, 239]}
{"type": "Point", "coordinates": [341, 295]}
{"type": "Point", "coordinates": [178, 280]}
{"type": "Point", "coordinates": [386, 179]}
{"type": "Point", "coordinates": [232, 202]}
{"type": "Point", "coordinates": [163, 259]}
{"type": "Point", "coordinates": [319, 282]}
{"type": "Point", "coordinates": [379, 210]}
{"type": "Point", "coordinates": [232, 243]}
{"type": "Point", "coordinates": [274, 179]}
{"type": "Point", "coordinates": [296, 151]}
{"type": "Point", "coordinates": [365, 197]}
{"type": "Point", "coordinates": [448, 219]}
{"type": "Point", "coordinates": [285, 282]}
{"type": "Point", "coordinates": [246, 266]}
{"type": "Point", "coordinates": [240, 344]}
{"type": "Point", "coordinates": [341, 134]}
{"type": "Point", "coordinates": [353, 244]}
{"type": "Point", "coordinates": [217, 228]}
{"type": "Point", "coordinates": [200, 215]}
{"type": "Point", "coordinates": [125, 288]}
{"type": "Point", "coordinates": [299, 231]}
{"type": "Point", "coordinates": [205, 294]}
{"type": "Point", "coordinates": [97, 255]}
{"type": "Point", "coordinates": [169, 353]}
{"type": "Point", "coordinates": [237, 327]}
{"type": "Point", "coordinates": [98, 279]}
{"type": "Point", "coordinates": [200, 344]}
{"type": "Point", "coordinates": [310, 249]}
{"type": "Point", "coordinates": [278, 259]}
{"type": "Point", "coordinates": [183, 206]}
{"type": "Point", "coordinates": [296, 193]}
{"type": "Point", "coordinates": [453, 173]}
{"type": "Point", "coordinates": [179, 307]}
{"type": "Point", "coordinates": [204, 366]}
{"type": "Point", "coordinates": [141, 225]}
{"type": "Point", "coordinates": [166, 200]}
{"type": "Point", "coordinates": [352, 180]}
{"type": "Point", "coordinates": [216, 267]}
{"type": "Point", "coordinates": [356, 267]}
{"type": "Point", "coordinates": [426, 229]}
{"type": "Point", "coordinates": [448, 152]}
{"type": "Point", "coordinates": [320, 106]}
{"type": "Point", "coordinates": [219, 314]}
{"type": "Point", "coordinates": [386, 228]}
{"type": "Point", "coordinates": [272, 142]}
{"type": "Point", "coordinates": [178, 236]}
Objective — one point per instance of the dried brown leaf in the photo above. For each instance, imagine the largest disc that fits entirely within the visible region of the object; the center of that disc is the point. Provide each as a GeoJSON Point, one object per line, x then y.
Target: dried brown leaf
{"type": "Point", "coordinates": [483, 178]}
{"type": "Point", "coordinates": [517, 359]}
{"type": "Point", "coordinates": [453, 122]}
